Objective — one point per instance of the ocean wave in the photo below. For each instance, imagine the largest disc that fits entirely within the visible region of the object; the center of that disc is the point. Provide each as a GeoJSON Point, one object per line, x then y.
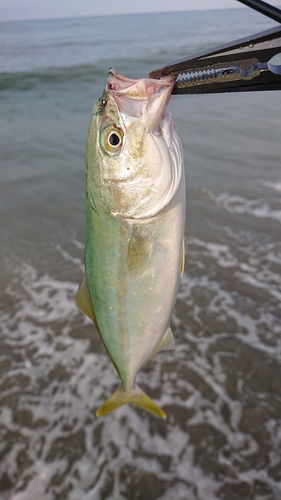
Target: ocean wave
{"type": "Point", "coordinates": [28, 80]}
{"type": "Point", "coordinates": [260, 208]}
{"type": "Point", "coordinates": [217, 388]}
{"type": "Point", "coordinates": [238, 288]}
{"type": "Point", "coordinates": [80, 73]}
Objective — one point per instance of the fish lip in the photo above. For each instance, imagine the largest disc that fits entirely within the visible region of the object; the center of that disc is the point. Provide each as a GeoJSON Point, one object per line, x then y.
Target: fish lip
{"type": "Point", "coordinates": [145, 97]}
{"type": "Point", "coordinates": [120, 84]}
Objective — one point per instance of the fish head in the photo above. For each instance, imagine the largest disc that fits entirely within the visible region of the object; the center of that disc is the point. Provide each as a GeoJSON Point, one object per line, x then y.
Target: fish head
{"type": "Point", "coordinates": [134, 156]}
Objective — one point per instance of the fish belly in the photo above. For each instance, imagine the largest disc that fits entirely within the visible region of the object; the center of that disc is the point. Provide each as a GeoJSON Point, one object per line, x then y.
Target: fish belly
{"type": "Point", "coordinates": [133, 271]}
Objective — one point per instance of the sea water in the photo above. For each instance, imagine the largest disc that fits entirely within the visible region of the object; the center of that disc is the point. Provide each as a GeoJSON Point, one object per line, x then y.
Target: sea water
{"type": "Point", "coordinates": [221, 386]}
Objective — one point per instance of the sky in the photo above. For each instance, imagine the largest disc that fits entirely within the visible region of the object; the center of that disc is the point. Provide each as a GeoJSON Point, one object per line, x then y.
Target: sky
{"type": "Point", "coordinates": [11, 10]}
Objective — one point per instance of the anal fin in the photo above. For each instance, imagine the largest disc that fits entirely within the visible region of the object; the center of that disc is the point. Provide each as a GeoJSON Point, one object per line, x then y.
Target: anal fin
{"type": "Point", "coordinates": [167, 343]}
{"type": "Point", "coordinates": [83, 300]}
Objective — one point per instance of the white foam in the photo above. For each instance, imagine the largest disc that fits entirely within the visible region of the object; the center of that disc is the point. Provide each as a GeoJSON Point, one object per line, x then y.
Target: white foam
{"type": "Point", "coordinates": [260, 208]}
{"type": "Point", "coordinates": [66, 382]}
{"type": "Point", "coordinates": [68, 257]}
{"type": "Point", "coordinates": [275, 186]}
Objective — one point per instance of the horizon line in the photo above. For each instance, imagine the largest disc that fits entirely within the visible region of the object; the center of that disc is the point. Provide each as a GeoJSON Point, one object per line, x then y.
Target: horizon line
{"type": "Point", "coordinates": [119, 14]}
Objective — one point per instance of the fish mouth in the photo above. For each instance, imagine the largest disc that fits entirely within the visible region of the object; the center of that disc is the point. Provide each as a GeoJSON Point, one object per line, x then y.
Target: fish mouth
{"type": "Point", "coordinates": [145, 97]}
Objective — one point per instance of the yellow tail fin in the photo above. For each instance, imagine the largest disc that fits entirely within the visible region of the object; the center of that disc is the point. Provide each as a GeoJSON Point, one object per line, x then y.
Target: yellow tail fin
{"type": "Point", "coordinates": [137, 397]}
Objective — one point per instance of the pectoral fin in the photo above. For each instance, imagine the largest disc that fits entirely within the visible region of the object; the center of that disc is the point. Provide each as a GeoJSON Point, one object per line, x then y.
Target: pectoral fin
{"type": "Point", "coordinates": [139, 252]}
{"type": "Point", "coordinates": [182, 258]}
{"type": "Point", "coordinates": [83, 300]}
{"type": "Point", "coordinates": [137, 397]}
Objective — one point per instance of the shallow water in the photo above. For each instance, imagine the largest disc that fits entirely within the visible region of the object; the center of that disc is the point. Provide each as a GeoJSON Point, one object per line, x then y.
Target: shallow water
{"type": "Point", "coordinates": [221, 387]}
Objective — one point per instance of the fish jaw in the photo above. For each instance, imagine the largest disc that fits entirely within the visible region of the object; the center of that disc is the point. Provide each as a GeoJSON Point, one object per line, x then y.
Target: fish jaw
{"type": "Point", "coordinates": [146, 98]}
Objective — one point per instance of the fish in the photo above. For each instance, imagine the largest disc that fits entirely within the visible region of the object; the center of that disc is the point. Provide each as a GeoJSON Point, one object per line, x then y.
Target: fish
{"type": "Point", "coordinates": [135, 217]}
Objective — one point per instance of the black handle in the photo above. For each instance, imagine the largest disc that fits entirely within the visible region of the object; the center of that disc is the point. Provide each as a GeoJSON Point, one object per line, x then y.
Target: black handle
{"type": "Point", "coordinates": [264, 8]}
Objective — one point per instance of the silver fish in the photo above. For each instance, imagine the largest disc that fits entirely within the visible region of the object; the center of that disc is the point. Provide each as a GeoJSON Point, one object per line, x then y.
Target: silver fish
{"type": "Point", "coordinates": [135, 212]}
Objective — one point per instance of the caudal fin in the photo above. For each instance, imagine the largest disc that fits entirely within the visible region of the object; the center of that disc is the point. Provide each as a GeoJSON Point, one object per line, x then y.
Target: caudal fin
{"type": "Point", "coordinates": [137, 397]}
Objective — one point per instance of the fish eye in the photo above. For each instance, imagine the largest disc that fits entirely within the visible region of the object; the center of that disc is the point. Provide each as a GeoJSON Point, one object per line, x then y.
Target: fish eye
{"type": "Point", "coordinates": [112, 138]}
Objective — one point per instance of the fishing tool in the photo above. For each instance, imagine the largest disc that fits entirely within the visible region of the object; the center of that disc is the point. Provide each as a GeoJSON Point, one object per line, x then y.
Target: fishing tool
{"type": "Point", "coordinates": [248, 64]}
